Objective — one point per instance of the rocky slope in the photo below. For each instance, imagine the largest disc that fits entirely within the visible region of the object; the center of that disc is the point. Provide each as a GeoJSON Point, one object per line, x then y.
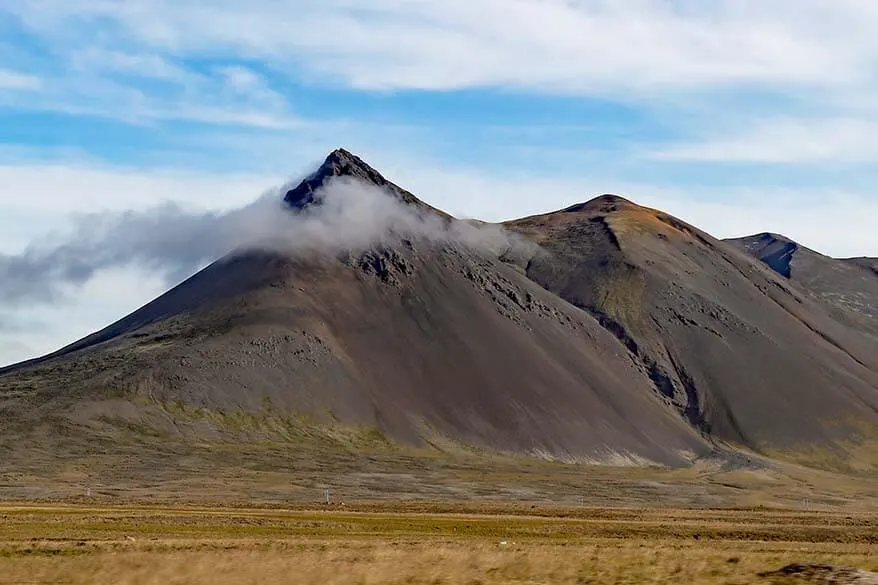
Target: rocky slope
{"type": "Point", "coordinates": [744, 354]}
{"type": "Point", "coordinates": [850, 285]}
{"type": "Point", "coordinates": [613, 333]}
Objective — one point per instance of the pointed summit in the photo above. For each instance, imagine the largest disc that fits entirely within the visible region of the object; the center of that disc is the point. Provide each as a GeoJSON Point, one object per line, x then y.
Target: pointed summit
{"type": "Point", "coordinates": [344, 164]}
{"type": "Point", "coordinates": [339, 163]}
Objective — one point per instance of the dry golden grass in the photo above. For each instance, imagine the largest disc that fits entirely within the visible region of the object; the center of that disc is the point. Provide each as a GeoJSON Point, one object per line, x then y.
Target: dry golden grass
{"type": "Point", "coordinates": [424, 562]}
{"type": "Point", "coordinates": [383, 544]}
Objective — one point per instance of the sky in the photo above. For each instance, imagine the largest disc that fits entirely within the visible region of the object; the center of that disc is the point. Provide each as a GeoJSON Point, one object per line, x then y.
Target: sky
{"type": "Point", "coordinates": [740, 116]}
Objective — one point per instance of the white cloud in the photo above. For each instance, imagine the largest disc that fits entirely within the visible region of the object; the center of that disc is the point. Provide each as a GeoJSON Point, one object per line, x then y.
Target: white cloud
{"type": "Point", "coordinates": [246, 82]}
{"type": "Point", "coordinates": [141, 87]}
{"type": "Point", "coordinates": [39, 198]}
{"type": "Point", "coordinates": [12, 352]}
{"type": "Point", "coordinates": [38, 201]}
{"type": "Point", "coordinates": [846, 140]}
{"type": "Point", "coordinates": [224, 94]}
{"type": "Point", "coordinates": [13, 80]}
{"type": "Point", "coordinates": [39, 329]}
{"type": "Point", "coordinates": [175, 243]}
{"type": "Point", "coordinates": [145, 65]}
{"type": "Point", "coordinates": [818, 53]}
{"type": "Point", "coordinates": [578, 47]}
{"type": "Point", "coordinates": [664, 55]}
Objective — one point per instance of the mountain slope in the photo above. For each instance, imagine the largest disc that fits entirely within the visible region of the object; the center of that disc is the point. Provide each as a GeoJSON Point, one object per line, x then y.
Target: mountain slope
{"type": "Point", "coordinates": [418, 339]}
{"type": "Point", "coordinates": [744, 355]}
{"type": "Point", "coordinates": [850, 285]}
{"type": "Point", "coordinates": [867, 263]}
{"type": "Point", "coordinates": [602, 332]}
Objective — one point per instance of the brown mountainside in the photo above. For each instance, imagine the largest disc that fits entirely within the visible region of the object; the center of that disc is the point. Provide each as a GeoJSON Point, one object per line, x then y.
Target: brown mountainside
{"type": "Point", "coordinates": [850, 285]}
{"type": "Point", "coordinates": [620, 335]}
{"type": "Point", "coordinates": [415, 340]}
{"type": "Point", "coordinates": [745, 355]}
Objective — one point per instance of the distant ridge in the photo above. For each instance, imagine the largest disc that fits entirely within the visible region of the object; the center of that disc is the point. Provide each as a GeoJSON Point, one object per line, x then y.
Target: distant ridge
{"type": "Point", "coordinates": [850, 285]}
{"type": "Point", "coordinates": [775, 250]}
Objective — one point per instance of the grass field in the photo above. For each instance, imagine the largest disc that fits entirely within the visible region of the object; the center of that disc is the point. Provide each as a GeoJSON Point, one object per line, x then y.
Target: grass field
{"type": "Point", "coordinates": [395, 543]}
{"type": "Point", "coordinates": [131, 508]}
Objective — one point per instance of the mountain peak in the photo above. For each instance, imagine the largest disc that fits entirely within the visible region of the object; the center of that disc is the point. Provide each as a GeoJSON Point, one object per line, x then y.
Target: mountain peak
{"type": "Point", "coordinates": [770, 237]}
{"type": "Point", "coordinates": [604, 203]}
{"type": "Point", "coordinates": [763, 240]}
{"type": "Point", "coordinates": [339, 163]}
{"type": "Point", "coordinates": [344, 164]}
{"type": "Point", "coordinates": [343, 161]}
{"type": "Point", "coordinates": [775, 250]}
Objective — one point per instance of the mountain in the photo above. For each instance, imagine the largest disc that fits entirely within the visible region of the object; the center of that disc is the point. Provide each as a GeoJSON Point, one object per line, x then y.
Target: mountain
{"type": "Point", "coordinates": [870, 264]}
{"type": "Point", "coordinates": [417, 340]}
{"type": "Point", "coordinates": [744, 354]}
{"type": "Point", "coordinates": [850, 285]}
{"type": "Point", "coordinates": [604, 332]}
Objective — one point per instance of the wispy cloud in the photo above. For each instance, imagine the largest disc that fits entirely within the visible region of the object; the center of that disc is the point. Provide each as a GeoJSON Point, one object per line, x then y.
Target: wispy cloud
{"type": "Point", "coordinates": [836, 140]}
{"type": "Point", "coordinates": [39, 198]}
{"type": "Point", "coordinates": [173, 242]}
{"type": "Point", "coordinates": [145, 87]}
{"type": "Point", "coordinates": [34, 330]}
{"type": "Point", "coordinates": [219, 63]}
{"type": "Point", "coordinates": [142, 65]}
{"type": "Point", "coordinates": [13, 80]}
{"type": "Point", "coordinates": [583, 47]}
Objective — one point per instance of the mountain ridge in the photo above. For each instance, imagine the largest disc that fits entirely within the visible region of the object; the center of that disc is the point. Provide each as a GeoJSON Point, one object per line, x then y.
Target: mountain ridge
{"type": "Point", "coordinates": [621, 334]}
{"type": "Point", "coordinates": [848, 285]}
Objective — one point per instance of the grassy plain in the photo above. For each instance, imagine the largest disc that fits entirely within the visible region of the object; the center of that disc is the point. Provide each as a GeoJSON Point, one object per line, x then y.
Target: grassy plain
{"type": "Point", "coordinates": [384, 543]}
{"type": "Point", "coordinates": [243, 507]}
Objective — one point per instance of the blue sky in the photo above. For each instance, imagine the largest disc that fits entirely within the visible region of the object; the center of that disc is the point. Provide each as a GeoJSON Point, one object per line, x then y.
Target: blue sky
{"type": "Point", "coordinates": [737, 116]}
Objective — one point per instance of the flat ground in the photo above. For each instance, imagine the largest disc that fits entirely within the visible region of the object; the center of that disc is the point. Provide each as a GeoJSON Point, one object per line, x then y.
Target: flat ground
{"type": "Point", "coordinates": [419, 543]}
{"type": "Point", "coordinates": [365, 466]}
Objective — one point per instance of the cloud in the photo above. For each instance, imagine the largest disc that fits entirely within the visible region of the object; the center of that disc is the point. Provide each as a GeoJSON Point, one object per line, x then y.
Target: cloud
{"type": "Point", "coordinates": [837, 140]}
{"type": "Point", "coordinates": [12, 80]}
{"type": "Point", "coordinates": [39, 197]}
{"type": "Point", "coordinates": [583, 47]}
{"type": "Point", "coordinates": [142, 65]}
{"type": "Point", "coordinates": [227, 64]}
{"type": "Point", "coordinates": [36, 329]}
{"type": "Point", "coordinates": [174, 243]}
{"type": "Point", "coordinates": [165, 239]}
{"type": "Point", "coordinates": [140, 87]}
{"type": "Point", "coordinates": [245, 82]}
